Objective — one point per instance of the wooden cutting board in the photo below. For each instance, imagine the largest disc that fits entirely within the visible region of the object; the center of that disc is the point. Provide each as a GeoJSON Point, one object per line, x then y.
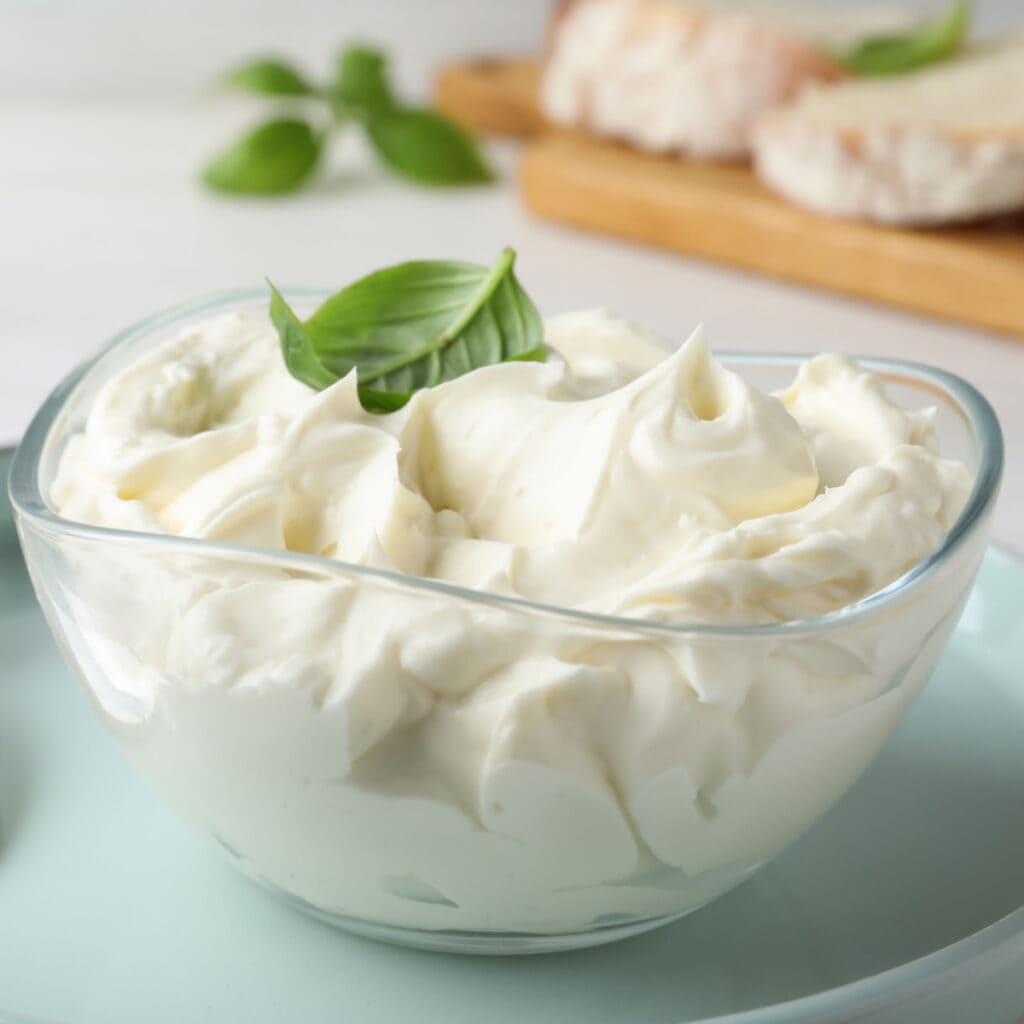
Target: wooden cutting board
{"type": "Point", "coordinates": [720, 212]}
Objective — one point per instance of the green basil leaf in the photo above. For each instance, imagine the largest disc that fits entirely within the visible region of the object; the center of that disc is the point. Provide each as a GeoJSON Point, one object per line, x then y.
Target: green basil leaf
{"type": "Point", "coordinates": [896, 54]}
{"type": "Point", "coordinates": [268, 77]}
{"type": "Point", "coordinates": [361, 82]}
{"type": "Point", "coordinates": [275, 158]}
{"type": "Point", "coordinates": [412, 326]}
{"type": "Point", "coordinates": [296, 346]}
{"type": "Point", "coordinates": [426, 147]}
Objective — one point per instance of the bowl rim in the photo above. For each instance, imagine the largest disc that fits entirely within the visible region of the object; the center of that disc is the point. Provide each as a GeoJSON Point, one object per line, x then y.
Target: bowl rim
{"type": "Point", "coordinates": [973, 958]}
{"type": "Point", "coordinates": [31, 507]}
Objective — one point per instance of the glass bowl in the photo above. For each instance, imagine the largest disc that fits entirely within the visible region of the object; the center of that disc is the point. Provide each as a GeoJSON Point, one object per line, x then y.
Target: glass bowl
{"type": "Point", "coordinates": [319, 792]}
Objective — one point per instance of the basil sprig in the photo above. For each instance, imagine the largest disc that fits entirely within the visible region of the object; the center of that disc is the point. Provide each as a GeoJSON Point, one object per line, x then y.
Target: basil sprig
{"type": "Point", "coordinates": [411, 326]}
{"type": "Point", "coordinates": [280, 155]}
{"type": "Point", "coordinates": [930, 43]}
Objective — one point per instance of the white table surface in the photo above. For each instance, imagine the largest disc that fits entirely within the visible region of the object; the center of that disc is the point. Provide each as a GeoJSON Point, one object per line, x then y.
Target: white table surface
{"type": "Point", "coordinates": [105, 118]}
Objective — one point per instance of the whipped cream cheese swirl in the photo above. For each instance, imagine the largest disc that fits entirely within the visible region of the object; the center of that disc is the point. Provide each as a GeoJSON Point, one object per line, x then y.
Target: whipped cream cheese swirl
{"type": "Point", "coordinates": [619, 477]}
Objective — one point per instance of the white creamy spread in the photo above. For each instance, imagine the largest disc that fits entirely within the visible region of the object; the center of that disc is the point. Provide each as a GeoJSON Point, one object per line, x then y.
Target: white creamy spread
{"type": "Point", "coordinates": [397, 754]}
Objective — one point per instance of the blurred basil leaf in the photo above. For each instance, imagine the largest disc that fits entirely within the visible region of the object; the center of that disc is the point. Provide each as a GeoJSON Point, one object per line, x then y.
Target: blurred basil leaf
{"type": "Point", "coordinates": [930, 43]}
{"type": "Point", "coordinates": [426, 147]}
{"type": "Point", "coordinates": [273, 159]}
{"type": "Point", "coordinates": [361, 82]}
{"type": "Point", "coordinates": [268, 77]}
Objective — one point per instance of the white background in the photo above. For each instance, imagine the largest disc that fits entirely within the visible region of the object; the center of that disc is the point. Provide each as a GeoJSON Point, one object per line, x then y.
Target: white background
{"type": "Point", "coordinates": [106, 114]}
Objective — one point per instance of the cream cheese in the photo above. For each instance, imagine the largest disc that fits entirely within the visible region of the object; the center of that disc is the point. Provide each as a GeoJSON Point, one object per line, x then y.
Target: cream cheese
{"type": "Point", "coordinates": [406, 756]}
{"type": "Point", "coordinates": [616, 478]}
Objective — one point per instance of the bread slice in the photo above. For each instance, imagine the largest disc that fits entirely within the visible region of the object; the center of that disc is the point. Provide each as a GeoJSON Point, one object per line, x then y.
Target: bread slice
{"type": "Point", "coordinates": [688, 77]}
{"type": "Point", "coordinates": [940, 145]}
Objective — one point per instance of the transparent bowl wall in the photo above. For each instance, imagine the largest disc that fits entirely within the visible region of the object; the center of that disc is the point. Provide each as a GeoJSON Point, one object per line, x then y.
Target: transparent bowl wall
{"type": "Point", "coordinates": [320, 799]}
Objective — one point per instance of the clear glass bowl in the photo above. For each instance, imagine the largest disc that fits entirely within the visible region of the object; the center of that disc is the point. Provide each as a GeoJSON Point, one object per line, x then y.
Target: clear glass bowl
{"type": "Point", "coordinates": [538, 853]}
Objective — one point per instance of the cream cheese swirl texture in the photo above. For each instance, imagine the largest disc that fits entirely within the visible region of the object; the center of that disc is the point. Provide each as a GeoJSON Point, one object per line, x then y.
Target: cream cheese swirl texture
{"type": "Point", "coordinates": [620, 477]}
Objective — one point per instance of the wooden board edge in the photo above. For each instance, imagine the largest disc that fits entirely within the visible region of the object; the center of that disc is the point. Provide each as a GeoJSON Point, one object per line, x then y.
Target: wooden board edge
{"type": "Point", "coordinates": [732, 220]}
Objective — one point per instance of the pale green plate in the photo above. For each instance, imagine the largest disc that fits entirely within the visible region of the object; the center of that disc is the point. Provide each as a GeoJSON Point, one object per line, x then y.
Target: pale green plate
{"type": "Point", "coordinates": [906, 903]}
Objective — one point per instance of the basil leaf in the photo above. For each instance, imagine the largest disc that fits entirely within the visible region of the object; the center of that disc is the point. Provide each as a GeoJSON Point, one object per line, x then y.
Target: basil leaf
{"type": "Point", "coordinates": [426, 147]}
{"type": "Point", "coordinates": [412, 326]}
{"type": "Point", "coordinates": [275, 158]}
{"type": "Point", "coordinates": [362, 80]}
{"type": "Point", "coordinates": [931, 42]}
{"type": "Point", "coordinates": [296, 346]}
{"type": "Point", "coordinates": [269, 77]}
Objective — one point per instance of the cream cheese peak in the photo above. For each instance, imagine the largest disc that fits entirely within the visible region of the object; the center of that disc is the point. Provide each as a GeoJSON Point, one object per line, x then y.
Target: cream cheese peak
{"type": "Point", "coordinates": [620, 477]}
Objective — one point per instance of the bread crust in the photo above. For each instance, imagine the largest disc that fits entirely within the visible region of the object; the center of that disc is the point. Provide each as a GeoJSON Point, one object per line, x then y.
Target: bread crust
{"type": "Point", "coordinates": [914, 175]}
{"type": "Point", "coordinates": [671, 78]}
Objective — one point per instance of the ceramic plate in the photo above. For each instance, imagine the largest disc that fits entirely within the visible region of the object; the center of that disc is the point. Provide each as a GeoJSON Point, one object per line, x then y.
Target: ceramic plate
{"type": "Point", "coordinates": [905, 903]}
